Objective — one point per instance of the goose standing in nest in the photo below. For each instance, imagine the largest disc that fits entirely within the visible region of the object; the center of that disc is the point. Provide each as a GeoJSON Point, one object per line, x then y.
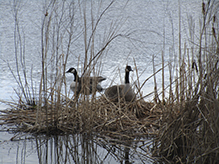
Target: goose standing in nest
{"type": "Point", "coordinates": [86, 84]}
{"type": "Point", "coordinates": [123, 91]}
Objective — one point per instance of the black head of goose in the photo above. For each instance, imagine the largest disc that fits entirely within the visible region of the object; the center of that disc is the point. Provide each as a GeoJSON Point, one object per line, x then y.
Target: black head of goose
{"type": "Point", "coordinates": [89, 84]}
{"type": "Point", "coordinates": [124, 91]}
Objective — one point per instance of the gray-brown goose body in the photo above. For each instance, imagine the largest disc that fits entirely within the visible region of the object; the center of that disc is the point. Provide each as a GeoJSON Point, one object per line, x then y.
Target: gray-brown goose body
{"type": "Point", "coordinates": [86, 84]}
{"type": "Point", "coordinates": [123, 91]}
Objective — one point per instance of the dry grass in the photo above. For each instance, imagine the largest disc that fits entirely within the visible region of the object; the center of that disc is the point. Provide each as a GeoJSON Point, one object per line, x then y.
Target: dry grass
{"type": "Point", "coordinates": [139, 118]}
{"type": "Point", "coordinates": [190, 125]}
{"type": "Point", "coordinates": [191, 135]}
{"type": "Point", "coordinates": [185, 123]}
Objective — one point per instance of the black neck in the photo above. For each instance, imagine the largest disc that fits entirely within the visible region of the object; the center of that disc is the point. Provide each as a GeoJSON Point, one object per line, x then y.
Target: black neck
{"type": "Point", "coordinates": [76, 77]}
{"type": "Point", "coordinates": [126, 77]}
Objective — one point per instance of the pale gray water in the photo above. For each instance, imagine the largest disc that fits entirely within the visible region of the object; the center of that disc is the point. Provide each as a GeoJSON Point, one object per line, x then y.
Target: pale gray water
{"type": "Point", "coordinates": [150, 24]}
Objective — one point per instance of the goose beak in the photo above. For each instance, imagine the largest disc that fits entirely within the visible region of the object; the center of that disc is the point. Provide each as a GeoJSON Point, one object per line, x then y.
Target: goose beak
{"type": "Point", "coordinates": [68, 71]}
{"type": "Point", "coordinates": [128, 68]}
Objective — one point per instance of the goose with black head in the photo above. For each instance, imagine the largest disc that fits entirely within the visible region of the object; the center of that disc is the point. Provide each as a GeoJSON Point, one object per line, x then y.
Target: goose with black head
{"type": "Point", "coordinates": [86, 84]}
{"type": "Point", "coordinates": [123, 91]}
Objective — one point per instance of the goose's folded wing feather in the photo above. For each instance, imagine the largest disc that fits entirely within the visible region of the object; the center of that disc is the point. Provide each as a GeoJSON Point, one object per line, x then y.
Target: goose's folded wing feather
{"type": "Point", "coordinates": [91, 80]}
{"type": "Point", "coordinates": [114, 91]}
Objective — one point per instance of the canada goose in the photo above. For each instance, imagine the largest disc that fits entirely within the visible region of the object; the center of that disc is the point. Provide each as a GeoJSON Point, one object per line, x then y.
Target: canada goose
{"type": "Point", "coordinates": [124, 91]}
{"type": "Point", "coordinates": [89, 84]}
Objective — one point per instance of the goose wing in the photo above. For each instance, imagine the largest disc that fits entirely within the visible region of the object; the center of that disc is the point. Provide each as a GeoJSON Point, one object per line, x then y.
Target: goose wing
{"type": "Point", "coordinates": [114, 92]}
{"type": "Point", "coordinates": [92, 80]}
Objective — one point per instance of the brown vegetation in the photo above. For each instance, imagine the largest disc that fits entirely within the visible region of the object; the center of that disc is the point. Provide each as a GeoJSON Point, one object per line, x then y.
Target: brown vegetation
{"type": "Point", "coordinates": [100, 115]}
{"type": "Point", "coordinates": [185, 124]}
{"type": "Point", "coordinates": [190, 125]}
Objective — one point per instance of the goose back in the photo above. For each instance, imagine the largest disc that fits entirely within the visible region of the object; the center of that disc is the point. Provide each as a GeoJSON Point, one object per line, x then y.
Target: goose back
{"type": "Point", "coordinates": [114, 92]}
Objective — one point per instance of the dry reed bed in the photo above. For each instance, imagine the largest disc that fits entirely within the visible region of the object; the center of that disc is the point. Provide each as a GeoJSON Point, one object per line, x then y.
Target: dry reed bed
{"type": "Point", "coordinates": [190, 129]}
{"type": "Point", "coordinates": [139, 118]}
{"type": "Point", "coordinates": [190, 137]}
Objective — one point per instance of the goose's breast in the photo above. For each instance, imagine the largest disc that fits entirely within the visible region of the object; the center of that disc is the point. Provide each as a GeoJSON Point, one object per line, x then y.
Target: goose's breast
{"type": "Point", "coordinates": [74, 86]}
{"type": "Point", "coordinates": [128, 93]}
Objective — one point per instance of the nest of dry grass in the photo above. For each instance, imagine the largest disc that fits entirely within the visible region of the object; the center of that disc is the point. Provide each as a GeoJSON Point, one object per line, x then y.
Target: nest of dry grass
{"type": "Point", "coordinates": [138, 118]}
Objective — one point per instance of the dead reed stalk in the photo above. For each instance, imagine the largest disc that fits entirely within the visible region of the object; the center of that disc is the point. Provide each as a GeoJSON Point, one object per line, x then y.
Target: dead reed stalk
{"type": "Point", "coordinates": [190, 135]}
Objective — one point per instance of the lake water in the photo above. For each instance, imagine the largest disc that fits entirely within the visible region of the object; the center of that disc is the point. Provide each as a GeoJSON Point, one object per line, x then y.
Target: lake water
{"type": "Point", "coordinates": [147, 28]}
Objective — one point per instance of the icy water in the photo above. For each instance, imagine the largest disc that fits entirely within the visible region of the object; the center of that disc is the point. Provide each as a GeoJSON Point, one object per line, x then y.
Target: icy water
{"type": "Point", "coordinates": [148, 28]}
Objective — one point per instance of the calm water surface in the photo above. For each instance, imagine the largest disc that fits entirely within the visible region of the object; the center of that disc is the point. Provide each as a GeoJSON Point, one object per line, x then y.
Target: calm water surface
{"type": "Point", "coordinates": [150, 28]}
